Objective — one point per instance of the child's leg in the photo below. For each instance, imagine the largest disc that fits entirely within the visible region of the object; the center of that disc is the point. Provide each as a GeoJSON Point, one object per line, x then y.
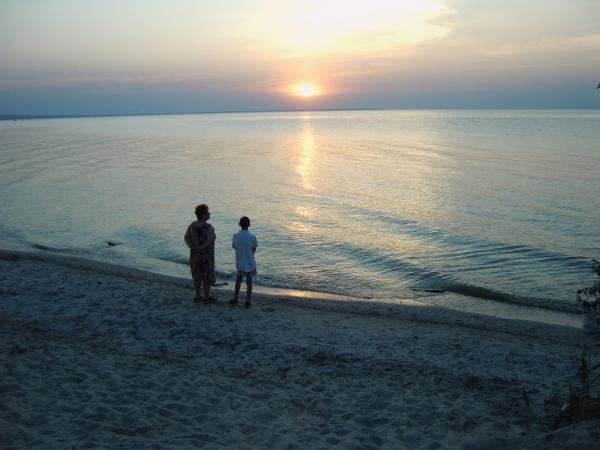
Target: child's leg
{"type": "Point", "coordinates": [238, 285]}
{"type": "Point", "coordinates": [248, 287]}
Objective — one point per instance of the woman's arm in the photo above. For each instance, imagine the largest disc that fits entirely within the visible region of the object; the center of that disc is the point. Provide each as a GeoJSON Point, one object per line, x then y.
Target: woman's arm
{"type": "Point", "coordinates": [210, 239]}
{"type": "Point", "coordinates": [188, 237]}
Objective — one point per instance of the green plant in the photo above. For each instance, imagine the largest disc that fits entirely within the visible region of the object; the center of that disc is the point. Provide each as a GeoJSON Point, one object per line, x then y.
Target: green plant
{"type": "Point", "coordinates": [589, 297]}
{"type": "Point", "coordinates": [584, 397]}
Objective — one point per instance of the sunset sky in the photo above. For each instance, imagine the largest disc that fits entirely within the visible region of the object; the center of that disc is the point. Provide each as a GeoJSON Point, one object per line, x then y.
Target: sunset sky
{"type": "Point", "coordinates": [152, 56]}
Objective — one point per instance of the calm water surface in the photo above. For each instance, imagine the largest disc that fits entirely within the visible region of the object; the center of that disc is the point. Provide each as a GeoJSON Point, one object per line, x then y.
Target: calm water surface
{"type": "Point", "coordinates": [495, 205]}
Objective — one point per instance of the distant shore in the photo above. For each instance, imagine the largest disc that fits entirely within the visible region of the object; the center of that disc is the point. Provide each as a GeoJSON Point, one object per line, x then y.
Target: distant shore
{"type": "Point", "coordinates": [16, 117]}
{"type": "Point", "coordinates": [97, 355]}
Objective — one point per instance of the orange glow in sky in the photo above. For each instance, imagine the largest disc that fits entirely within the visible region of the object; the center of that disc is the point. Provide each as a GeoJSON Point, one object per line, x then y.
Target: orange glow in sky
{"type": "Point", "coordinates": [306, 90]}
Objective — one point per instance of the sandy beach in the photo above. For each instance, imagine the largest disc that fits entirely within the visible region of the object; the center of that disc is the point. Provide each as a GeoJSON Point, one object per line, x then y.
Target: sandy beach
{"type": "Point", "coordinates": [99, 356]}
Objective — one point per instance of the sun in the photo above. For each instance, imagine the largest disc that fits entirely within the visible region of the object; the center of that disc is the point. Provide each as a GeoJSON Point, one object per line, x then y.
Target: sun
{"type": "Point", "coordinates": [306, 90]}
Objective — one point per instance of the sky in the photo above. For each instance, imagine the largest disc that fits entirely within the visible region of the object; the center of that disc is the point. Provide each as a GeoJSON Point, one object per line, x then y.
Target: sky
{"type": "Point", "coordinates": [87, 57]}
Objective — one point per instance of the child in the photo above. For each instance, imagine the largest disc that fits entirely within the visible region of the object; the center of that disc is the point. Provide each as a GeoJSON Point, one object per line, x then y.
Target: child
{"type": "Point", "coordinates": [200, 238]}
{"type": "Point", "coordinates": [245, 245]}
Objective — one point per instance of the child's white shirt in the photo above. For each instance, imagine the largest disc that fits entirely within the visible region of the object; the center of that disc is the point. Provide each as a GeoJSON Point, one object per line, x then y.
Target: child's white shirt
{"type": "Point", "coordinates": [244, 244]}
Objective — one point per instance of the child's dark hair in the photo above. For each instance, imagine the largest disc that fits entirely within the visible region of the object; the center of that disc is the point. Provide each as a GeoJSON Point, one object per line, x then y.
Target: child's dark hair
{"type": "Point", "coordinates": [200, 211]}
{"type": "Point", "coordinates": [245, 223]}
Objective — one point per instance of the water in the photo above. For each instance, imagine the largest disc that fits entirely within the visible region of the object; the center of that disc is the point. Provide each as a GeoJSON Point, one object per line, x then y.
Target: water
{"type": "Point", "coordinates": [500, 206]}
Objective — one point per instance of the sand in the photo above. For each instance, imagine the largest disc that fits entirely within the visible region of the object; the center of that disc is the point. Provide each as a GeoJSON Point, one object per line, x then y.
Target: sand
{"type": "Point", "coordinates": [98, 356]}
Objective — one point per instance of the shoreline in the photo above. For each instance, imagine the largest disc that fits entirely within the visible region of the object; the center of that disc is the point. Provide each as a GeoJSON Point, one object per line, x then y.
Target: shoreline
{"type": "Point", "coordinates": [92, 358]}
{"type": "Point", "coordinates": [448, 301]}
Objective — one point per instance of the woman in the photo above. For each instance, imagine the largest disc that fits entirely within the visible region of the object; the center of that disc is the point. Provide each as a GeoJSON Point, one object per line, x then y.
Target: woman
{"type": "Point", "coordinates": [200, 238]}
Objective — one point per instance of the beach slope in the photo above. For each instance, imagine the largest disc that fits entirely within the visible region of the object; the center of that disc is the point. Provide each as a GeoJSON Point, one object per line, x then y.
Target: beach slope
{"type": "Point", "coordinates": [94, 355]}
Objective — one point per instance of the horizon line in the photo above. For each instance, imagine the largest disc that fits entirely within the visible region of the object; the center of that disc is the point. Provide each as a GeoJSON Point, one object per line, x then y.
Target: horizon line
{"type": "Point", "coordinates": [15, 117]}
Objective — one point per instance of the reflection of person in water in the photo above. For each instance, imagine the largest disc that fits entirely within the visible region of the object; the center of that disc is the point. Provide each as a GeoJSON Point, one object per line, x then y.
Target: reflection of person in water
{"type": "Point", "coordinates": [200, 238]}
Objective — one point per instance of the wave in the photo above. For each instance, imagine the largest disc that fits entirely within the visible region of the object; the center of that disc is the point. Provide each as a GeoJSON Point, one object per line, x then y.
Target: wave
{"type": "Point", "coordinates": [461, 245]}
{"type": "Point", "coordinates": [504, 297]}
{"type": "Point", "coordinates": [48, 248]}
{"type": "Point", "coordinates": [177, 259]}
{"type": "Point", "coordinates": [423, 278]}
{"type": "Point", "coordinates": [483, 256]}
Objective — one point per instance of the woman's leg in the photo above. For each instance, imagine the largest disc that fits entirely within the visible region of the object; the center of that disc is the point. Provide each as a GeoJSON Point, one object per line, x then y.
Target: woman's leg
{"type": "Point", "coordinates": [206, 283]}
{"type": "Point", "coordinates": [198, 288]}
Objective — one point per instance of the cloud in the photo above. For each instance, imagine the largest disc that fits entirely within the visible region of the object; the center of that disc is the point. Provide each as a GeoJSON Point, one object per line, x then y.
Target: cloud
{"type": "Point", "coordinates": [235, 54]}
{"type": "Point", "coordinates": [312, 29]}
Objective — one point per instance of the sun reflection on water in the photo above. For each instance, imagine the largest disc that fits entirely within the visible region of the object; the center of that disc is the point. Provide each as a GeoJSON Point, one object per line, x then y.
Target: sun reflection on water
{"type": "Point", "coordinates": [303, 211]}
{"type": "Point", "coordinates": [305, 161]}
